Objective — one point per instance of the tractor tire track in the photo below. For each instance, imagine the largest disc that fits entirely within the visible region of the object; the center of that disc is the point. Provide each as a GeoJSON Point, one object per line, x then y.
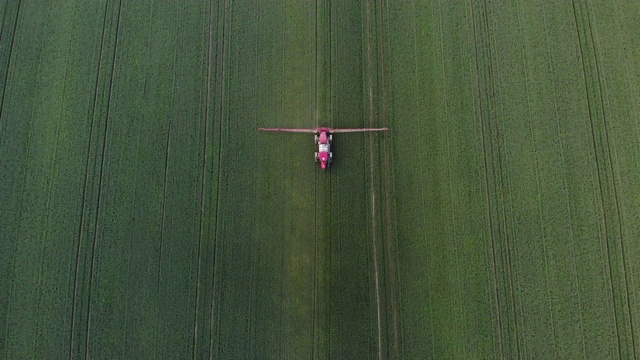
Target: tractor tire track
{"type": "Point", "coordinates": [487, 180]}
{"type": "Point", "coordinates": [319, 108]}
{"type": "Point", "coordinates": [9, 52]}
{"type": "Point", "coordinates": [374, 225]}
{"type": "Point", "coordinates": [254, 275]}
{"type": "Point", "coordinates": [419, 134]}
{"type": "Point", "coordinates": [85, 186]}
{"type": "Point", "coordinates": [501, 187]}
{"type": "Point", "coordinates": [387, 184]}
{"type": "Point", "coordinates": [600, 181]}
{"type": "Point", "coordinates": [203, 181]}
{"type": "Point", "coordinates": [166, 159]}
{"type": "Point", "coordinates": [604, 138]}
{"type": "Point", "coordinates": [225, 35]}
{"type": "Point", "coordinates": [614, 186]}
{"type": "Point", "coordinates": [101, 178]}
{"type": "Point", "coordinates": [5, 310]}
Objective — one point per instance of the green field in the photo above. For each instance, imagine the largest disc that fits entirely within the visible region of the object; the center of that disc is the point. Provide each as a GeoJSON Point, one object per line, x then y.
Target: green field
{"type": "Point", "coordinates": [142, 215]}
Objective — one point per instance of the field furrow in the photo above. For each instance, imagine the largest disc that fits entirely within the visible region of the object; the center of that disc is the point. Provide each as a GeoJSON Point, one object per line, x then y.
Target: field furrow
{"type": "Point", "coordinates": [609, 201]}
{"type": "Point", "coordinates": [494, 182]}
{"type": "Point", "coordinates": [208, 160]}
{"type": "Point", "coordinates": [442, 194]}
{"type": "Point", "coordinates": [8, 179]}
{"type": "Point", "coordinates": [94, 165]}
{"type": "Point", "coordinates": [369, 35]}
{"type": "Point", "coordinates": [60, 96]}
{"type": "Point", "coordinates": [610, 145]}
{"type": "Point", "coordinates": [618, 83]}
{"type": "Point", "coordinates": [386, 190]}
{"type": "Point", "coordinates": [10, 12]}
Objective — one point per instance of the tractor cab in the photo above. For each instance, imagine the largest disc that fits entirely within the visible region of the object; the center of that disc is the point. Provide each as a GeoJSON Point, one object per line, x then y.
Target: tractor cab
{"type": "Point", "coordinates": [323, 155]}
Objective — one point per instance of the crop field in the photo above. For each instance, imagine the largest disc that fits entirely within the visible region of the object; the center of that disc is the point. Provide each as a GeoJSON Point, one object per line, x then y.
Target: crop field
{"type": "Point", "coordinates": [143, 216]}
{"type": "Point", "coordinates": [516, 149]}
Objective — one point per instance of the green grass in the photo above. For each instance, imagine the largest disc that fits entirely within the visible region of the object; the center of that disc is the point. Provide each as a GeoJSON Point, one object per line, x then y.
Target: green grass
{"type": "Point", "coordinates": [143, 216]}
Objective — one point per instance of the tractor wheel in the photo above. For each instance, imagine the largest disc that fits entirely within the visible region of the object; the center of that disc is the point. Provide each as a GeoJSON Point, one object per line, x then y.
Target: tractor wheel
{"type": "Point", "coordinates": [330, 156]}
{"type": "Point", "coordinates": [330, 138]}
{"type": "Point", "coordinates": [315, 139]}
{"type": "Point", "coordinates": [317, 159]}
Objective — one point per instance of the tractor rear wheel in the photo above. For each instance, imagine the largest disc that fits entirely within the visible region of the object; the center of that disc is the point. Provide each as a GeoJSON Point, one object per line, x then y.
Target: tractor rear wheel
{"type": "Point", "coordinates": [316, 157]}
